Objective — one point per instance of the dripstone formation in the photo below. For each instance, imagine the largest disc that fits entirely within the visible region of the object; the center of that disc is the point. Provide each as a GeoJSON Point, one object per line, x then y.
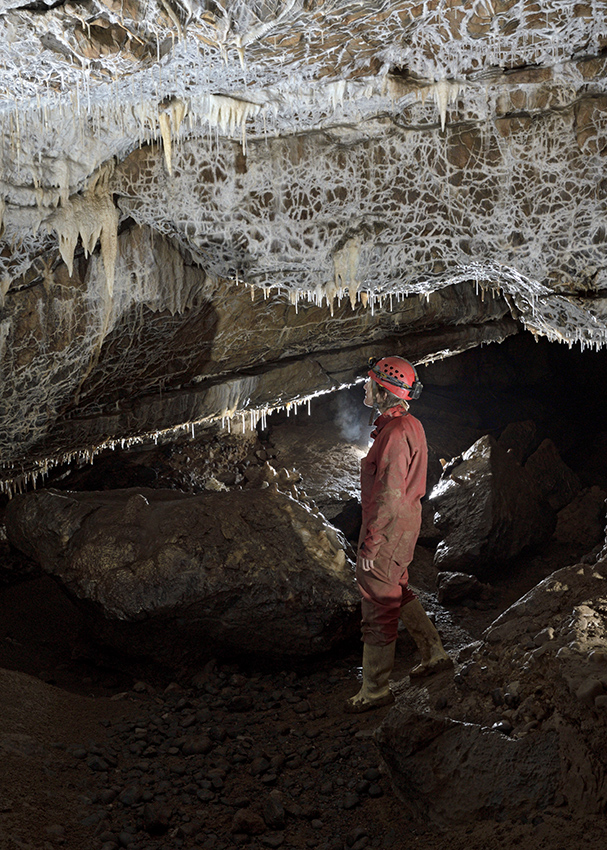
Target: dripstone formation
{"type": "Point", "coordinates": [339, 161]}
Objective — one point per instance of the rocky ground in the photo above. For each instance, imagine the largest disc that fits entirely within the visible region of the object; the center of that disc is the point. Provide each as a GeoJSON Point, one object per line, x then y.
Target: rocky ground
{"type": "Point", "coordinates": [99, 754]}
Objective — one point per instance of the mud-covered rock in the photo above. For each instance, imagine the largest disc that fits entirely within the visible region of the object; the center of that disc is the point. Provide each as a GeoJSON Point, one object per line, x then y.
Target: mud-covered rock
{"type": "Point", "coordinates": [521, 725]}
{"type": "Point", "coordinates": [557, 483]}
{"type": "Point", "coordinates": [489, 510]}
{"type": "Point", "coordinates": [160, 573]}
{"type": "Point", "coordinates": [448, 772]}
{"type": "Point", "coordinates": [455, 587]}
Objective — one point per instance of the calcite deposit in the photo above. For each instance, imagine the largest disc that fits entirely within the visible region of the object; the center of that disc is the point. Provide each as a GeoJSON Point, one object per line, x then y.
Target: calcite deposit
{"type": "Point", "coordinates": [333, 154]}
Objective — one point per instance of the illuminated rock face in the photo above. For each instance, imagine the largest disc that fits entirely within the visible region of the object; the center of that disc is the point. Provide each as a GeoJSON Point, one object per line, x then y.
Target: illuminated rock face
{"type": "Point", "coordinates": [489, 509]}
{"type": "Point", "coordinates": [154, 156]}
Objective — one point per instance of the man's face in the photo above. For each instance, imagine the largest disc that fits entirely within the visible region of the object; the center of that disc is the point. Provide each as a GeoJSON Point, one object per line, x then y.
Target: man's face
{"type": "Point", "coordinates": [368, 393]}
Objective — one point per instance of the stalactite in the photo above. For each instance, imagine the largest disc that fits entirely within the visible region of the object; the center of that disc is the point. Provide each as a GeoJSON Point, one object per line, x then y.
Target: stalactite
{"type": "Point", "coordinates": [93, 217]}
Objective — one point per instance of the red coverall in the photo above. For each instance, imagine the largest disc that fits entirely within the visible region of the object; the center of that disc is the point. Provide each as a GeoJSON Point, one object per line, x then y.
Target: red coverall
{"type": "Point", "coordinates": [393, 481]}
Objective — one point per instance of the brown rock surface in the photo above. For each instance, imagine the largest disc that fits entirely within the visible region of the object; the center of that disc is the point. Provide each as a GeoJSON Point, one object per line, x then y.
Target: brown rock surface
{"type": "Point", "coordinates": [161, 574]}
{"type": "Point", "coordinates": [521, 727]}
{"type": "Point", "coordinates": [488, 510]}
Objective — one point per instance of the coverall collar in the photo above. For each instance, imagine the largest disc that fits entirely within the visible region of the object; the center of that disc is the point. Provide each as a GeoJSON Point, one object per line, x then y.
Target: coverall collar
{"type": "Point", "coordinates": [387, 416]}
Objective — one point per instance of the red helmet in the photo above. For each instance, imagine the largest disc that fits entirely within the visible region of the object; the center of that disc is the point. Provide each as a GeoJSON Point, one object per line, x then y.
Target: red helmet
{"type": "Point", "coordinates": [396, 375]}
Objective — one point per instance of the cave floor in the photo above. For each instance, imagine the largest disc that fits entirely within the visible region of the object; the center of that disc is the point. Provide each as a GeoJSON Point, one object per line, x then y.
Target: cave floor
{"type": "Point", "coordinates": [93, 749]}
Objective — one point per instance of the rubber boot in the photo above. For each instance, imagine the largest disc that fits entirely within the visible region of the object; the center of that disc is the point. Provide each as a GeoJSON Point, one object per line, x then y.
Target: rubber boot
{"type": "Point", "coordinates": [421, 629]}
{"type": "Point", "coordinates": [375, 692]}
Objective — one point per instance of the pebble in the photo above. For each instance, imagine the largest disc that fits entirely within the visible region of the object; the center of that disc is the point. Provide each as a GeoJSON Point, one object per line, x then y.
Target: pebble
{"type": "Point", "coordinates": [156, 819]}
{"type": "Point", "coordinates": [372, 774]}
{"type": "Point", "coordinates": [55, 831]}
{"type": "Point", "coordinates": [248, 822]}
{"type": "Point", "coordinates": [355, 835]}
{"type": "Point", "coordinates": [196, 746]}
{"type": "Point", "coordinates": [80, 753]}
{"type": "Point", "coordinates": [272, 840]}
{"type": "Point", "coordinates": [589, 690]}
{"type": "Point", "coordinates": [130, 795]}
{"type": "Point", "coordinates": [204, 768]}
{"type": "Point", "coordinates": [497, 695]}
{"type": "Point", "coordinates": [258, 766]}
{"type": "Point", "coordinates": [204, 795]}
{"type": "Point", "coordinates": [350, 801]}
{"type": "Point", "coordinates": [274, 811]}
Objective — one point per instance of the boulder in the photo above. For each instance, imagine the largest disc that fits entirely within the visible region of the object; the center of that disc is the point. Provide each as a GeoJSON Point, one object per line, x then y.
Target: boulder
{"type": "Point", "coordinates": [582, 521]}
{"type": "Point", "coordinates": [557, 483]}
{"type": "Point", "coordinates": [448, 772]}
{"type": "Point", "coordinates": [522, 724]}
{"type": "Point", "coordinates": [518, 439]}
{"type": "Point", "coordinates": [161, 574]}
{"type": "Point", "coordinates": [488, 509]}
{"type": "Point", "coordinates": [456, 587]}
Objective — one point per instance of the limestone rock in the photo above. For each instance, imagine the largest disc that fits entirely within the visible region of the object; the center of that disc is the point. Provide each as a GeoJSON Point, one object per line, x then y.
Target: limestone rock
{"type": "Point", "coordinates": [489, 510]}
{"type": "Point", "coordinates": [304, 178]}
{"type": "Point", "coordinates": [455, 587]}
{"type": "Point", "coordinates": [558, 483]}
{"type": "Point", "coordinates": [521, 725]}
{"type": "Point", "coordinates": [161, 573]}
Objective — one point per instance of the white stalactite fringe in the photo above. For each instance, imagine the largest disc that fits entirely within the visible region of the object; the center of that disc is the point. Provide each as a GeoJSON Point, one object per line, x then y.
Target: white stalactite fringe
{"type": "Point", "coordinates": [11, 486]}
{"type": "Point", "coordinates": [228, 113]}
{"type": "Point", "coordinates": [170, 119]}
{"type": "Point", "coordinates": [444, 93]}
{"type": "Point", "coordinates": [346, 263]}
{"type": "Point", "coordinates": [93, 217]}
{"type": "Point", "coordinates": [5, 283]}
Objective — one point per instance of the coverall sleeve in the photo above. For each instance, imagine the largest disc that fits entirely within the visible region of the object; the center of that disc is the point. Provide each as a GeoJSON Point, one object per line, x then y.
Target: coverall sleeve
{"type": "Point", "coordinates": [384, 518]}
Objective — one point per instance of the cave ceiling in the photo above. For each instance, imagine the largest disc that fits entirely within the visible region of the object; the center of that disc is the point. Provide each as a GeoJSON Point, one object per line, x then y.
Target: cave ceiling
{"type": "Point", "coordinates": [214, 208]}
